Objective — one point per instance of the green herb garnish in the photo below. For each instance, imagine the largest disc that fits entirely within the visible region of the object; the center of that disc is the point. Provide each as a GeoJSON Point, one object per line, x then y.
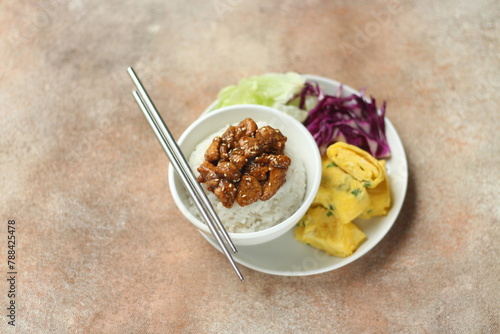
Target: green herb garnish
{"type": "Point", "coordinates": [356, 192]}
{"type": "Point", "coordinates": [333, 164]}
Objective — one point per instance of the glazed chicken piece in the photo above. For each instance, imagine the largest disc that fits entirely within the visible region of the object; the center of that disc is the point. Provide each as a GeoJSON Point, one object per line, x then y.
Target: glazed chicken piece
{"type": "Point", "coordinates": [233, 134]}
{"type": "Point", "coordinates": [229, 137]}
{"type": "Point", "coordinates": [278, 166]}
{"type": "Point", "coordinates": [224, 151]}
{"type": "Point", "coordinates": [249, 190]}
{"type": "Point", "coordinates": [272, 139]}
{"type": "Point", "coordinates": [258, 168]}
{"type": "Point", "coordinates": [279, 161]}
{"type": "Point", "coordinates": [277, 177]}
{"type": "Point", "coordinates": [228, 170]}
{"type": "Point", "coordinates": [212, 153]}
{"type": "Point", "coordinates": [273, 160]}
{"type": "Point", "coordinates": [208, 175]}
{"type": "Point", "coordinates": [251, 147]}
{"type": "Point", "coordinates": [226, 192]}
{"type": "Point", "coordinates": [238, 159]}
{"type": "Point", "coordinates": [246, 127]}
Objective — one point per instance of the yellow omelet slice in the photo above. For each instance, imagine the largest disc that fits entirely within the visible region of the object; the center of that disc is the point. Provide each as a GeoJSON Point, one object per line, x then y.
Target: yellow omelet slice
{"type": "Point", "coordinates": [356, 162]}
{"type": "Point", "coordinates": [380, 197]}
{"type": "Point", "coordinates": [340, 193]}
{"type": "Point", "coordinates": [321, 229]}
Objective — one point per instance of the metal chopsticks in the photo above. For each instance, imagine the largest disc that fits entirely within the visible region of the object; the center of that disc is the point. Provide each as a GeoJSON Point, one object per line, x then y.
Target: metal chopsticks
{"type": "Point", "coordinates": [182, 169]}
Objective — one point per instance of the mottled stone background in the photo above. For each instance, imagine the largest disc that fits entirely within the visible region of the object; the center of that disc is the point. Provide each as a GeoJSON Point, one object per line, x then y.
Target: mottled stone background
{"type": "Point", "coordinates": [102, 247]}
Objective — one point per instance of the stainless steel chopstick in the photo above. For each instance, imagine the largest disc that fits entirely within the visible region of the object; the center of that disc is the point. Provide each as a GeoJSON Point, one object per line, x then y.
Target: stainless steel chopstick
{"type": "Point", "coordinates": [177, 152]}
{"type": "Point", "coordinates": [182, 169]}
{"type": "Point", "coordinates": [183, 177]}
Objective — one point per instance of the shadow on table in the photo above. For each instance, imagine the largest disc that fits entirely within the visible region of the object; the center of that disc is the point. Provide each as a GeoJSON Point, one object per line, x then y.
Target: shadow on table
{"type": "Point", "coordinates": [390, 245]}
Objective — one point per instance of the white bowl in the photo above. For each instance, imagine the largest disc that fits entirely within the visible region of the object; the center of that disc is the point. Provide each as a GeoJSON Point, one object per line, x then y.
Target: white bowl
{"type": "Point", "coordinates": [298, 137]}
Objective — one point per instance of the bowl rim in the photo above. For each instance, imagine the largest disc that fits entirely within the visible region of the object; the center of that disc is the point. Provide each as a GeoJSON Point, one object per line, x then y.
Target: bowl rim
{"type": "Point", "coordinates": [284, 225]}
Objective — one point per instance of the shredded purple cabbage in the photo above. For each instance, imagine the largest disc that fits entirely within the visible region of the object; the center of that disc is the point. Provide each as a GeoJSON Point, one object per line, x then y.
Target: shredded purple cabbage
{"type": "Point", "coordinates": [310, 89]}
{"type": "Point", "coordinates": [351, 119]}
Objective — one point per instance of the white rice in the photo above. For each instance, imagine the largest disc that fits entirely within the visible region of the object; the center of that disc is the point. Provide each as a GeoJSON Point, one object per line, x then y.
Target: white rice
{"type": "Point", "coordinates": [261, 214]}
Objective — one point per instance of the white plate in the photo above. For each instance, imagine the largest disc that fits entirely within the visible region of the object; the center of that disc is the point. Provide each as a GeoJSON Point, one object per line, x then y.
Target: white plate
{"type": "Point", "coordinates": [286, 256]}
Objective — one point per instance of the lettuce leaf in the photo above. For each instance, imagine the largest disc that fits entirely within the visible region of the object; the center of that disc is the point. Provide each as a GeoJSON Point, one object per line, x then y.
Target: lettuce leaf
{"type": "Point", "coordinates": [273, 90]}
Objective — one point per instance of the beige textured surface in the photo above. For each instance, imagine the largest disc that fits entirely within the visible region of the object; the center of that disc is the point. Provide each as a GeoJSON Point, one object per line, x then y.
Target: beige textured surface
{"type": "Point", "coordinates": [103, 249]}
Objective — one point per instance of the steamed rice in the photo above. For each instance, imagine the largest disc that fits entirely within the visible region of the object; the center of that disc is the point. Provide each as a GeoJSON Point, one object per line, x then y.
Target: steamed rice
{"type": "Point", "coordinates": [261, 214]}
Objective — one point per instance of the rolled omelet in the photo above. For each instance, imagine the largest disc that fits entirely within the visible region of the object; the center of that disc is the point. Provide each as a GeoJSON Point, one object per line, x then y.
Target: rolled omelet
{"type": "Point", "coordinates": [380, 197]}
{"type": "Point", "coordinates": [353, 185]}
{"type": "Point", "coordinates": [341, 194]}
{"type": "Point", "coordinates": [322, 230]}
{"type": "Point", "coordinates": [358, 163]}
